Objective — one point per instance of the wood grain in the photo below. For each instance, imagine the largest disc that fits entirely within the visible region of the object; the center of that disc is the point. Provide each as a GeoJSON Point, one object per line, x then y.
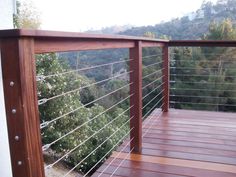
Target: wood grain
{"type": "Point", "coordinates": [18, 65]}
{"type": "Point", "coordinates": [178, 143]}
{"type": "Point", "coordinates": [165, 79]}
{"type": "Point", "coordinates": [178, 162]}
{"type": "Point", "coordinates": [136, 98]}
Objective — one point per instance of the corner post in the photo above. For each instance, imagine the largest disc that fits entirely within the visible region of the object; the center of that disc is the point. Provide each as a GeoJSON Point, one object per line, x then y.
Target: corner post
{"type": "Point", "coordinates": [166, 76]}
{"type": "Point", "coordinates": [20, 92]}
{"type": "Point", "coordinates": [136, 98]}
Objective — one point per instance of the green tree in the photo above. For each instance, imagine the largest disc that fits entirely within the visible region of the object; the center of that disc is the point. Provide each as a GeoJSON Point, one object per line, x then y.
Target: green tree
{"type": "Point", "coordinates": [49, 87]}
{"type": "Point", "coordinates": [214, 71]}
{"type": "Point", "coordinates": [27, 16]}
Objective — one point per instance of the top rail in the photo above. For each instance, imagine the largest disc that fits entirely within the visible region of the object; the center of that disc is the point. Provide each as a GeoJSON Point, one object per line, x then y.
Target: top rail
{"type": "Point", "coordinates": [60, 34]}
{"type": "Point", "coordinates": [202, 43]}
{"type": "Point", "coordinates": [55, 41]}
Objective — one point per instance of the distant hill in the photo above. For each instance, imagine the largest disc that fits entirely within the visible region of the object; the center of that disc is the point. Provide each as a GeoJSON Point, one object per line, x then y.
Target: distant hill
{"type": "Point", "coordinates": [193, 25]}
{"type": "Point", "coordinates": [111, 30]}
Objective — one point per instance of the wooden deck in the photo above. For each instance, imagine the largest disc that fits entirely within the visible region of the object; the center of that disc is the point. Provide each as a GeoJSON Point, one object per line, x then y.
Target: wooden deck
{"type": "Point", "coordinates": [180, 143]}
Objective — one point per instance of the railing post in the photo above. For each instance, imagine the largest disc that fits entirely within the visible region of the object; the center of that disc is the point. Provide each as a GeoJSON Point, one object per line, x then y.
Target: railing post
{"type": "Point", "coordinates": [19, 81]}
{"type": "Point", "coordinates": [136, 99]}
{"type": "Point", "coordinates": [166, 75]}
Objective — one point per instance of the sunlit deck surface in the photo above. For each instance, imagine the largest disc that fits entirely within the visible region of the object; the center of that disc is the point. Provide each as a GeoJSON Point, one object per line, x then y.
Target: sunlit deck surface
{"type": "Point", "coordinates": [180, 143]}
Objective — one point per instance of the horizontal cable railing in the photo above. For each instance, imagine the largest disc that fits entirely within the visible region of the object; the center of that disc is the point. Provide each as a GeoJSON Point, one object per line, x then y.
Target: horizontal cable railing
{"type": "Point", "coordinates": [42, 77]}
{"type": "Point", "coordinates": [76, 106]}
{"type": "Point", "coordinates": [152, 99]}
{"type": "Point", "coordinates": [203, 81]}
{"type": "Point", "coordinates": [69, 126]}
{"type": "Point", "coordinates": [152, 82]}
{"type": "Point", "coordinates": [82, 134]}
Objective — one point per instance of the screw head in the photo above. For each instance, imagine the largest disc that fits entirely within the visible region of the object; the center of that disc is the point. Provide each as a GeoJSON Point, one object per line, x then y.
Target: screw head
{"type": "Point", "coordinates": [12, 83]}
{"type": "Point", "coordinates": [17, 138]}
{"type": "Point", "coordinates": [19, 163]}
{"type": "Point", "coordinates": [13, 111]}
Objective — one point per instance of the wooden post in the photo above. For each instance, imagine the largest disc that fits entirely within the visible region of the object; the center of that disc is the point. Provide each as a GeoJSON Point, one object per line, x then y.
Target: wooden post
{"type": "Point", "coordinates": [136, 99]}
{"type": "Point", "coordinates": [19, 81]}
{"type": "Point", "coordinates": [165, 80]}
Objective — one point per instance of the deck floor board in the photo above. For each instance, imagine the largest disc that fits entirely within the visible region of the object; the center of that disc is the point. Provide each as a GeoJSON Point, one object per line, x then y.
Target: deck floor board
{"type": "Point", "coordinates": [179, 143]}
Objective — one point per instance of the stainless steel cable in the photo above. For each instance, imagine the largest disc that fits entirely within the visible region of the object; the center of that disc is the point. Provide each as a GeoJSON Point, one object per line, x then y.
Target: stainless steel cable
{"type": "Point", "coordinates": [199, 75]}
{"type": "Point", "coordinates": [44, 100]}
{"type": "Point", "coordinates": [152, 99]}
{"type": "Point", "coordinates": [151, 56]}
{"type": "Point", "coordinates": [188, 68]}
{"type": "Point", "coordinates": [128, 154]}
{"type": "Point", "coordinates": [211, 104]}
{"type": "Point", "coordinates": [45, 124]}
{"type": "Point", "coordinates": [109, 152]}
{"type": "Point", "coordinates": [203, 90]}
{"type": "Point", "coordinates": [203, 82]}
{"type": "Point", "coordinates": [45, 147]}
{"type": "Point", "coordinates": [156, 119]}
{"type": "Point", "coordinates": [189, 96]}
{"type": "Point", "coordinates": [152, 82]}
{"type": "Point", "coordinates": [117, 155]}
{"type": "Point", "coordinates": [207, 61]}
{"type": "Point", "coordinates": [205, 54]}
{"type": "Point", "coordinates": [72, 150]}
{"type": "Point", "coordinates": [152, 91]}
{"type": "Point", "coordinates": [153, 64]}
{"type": "Point", "coordinates": [152, 73]}
{"type": "Point", "coordinates": [42, 77]}
{"type": "Point", "coordinates": [153, 108]}
{"type": "Point", "coordinates": [98, 148]}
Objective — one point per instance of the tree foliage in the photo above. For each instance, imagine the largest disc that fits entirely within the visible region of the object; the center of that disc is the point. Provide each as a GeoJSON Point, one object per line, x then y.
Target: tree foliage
{"type": "Point", "coordinates": [213, 70]}
{"type": "Point", "coordinates": [83, 117]}
{"type": "Point", "coordinates": [27, 16]}
{"type": "Point", "coordinates": [193, 25]}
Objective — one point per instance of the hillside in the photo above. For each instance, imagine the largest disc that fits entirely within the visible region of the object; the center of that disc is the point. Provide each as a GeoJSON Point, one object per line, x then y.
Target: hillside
{"type": "Point", "coordinates": [193, 25]}
{"type": "Point", "coordinates": [110, 30]}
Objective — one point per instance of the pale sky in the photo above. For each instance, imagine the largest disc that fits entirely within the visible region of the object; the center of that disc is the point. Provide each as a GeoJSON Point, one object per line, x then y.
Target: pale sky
{"type": "Point", "coordinates": [82, 15]}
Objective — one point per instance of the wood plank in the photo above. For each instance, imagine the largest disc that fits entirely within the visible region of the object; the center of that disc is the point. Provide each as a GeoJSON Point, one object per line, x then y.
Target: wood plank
{"type": "Point", "coordinates": [37, 34]}
{"type": "Point", "coordinates": [187, 156]}
{"type": "Point", "coordinates": [201, 43]}
{"type": "Point", "coordinates": [60, 45]}
{"type": "Point", "coordinates": [183, 145]}
{"type": "Point", "coordinates": [18, 66]}
{"type": "Point", "coordinates": [166, 78]}
{"type": "Point", "coordinates": [192, 134]}
{"type": "Point", "coordinates": [212, 124]}
{"type": "Point", "coordinates": [189, 144]}
{"type": "Point", "coordinates": [136, 98]}
{"type": "Point", "coordinates": [205, 120]}
{"type": "Point", "coordinates": [178, 162]}
{"type": "Point", "coordinates": [97, 174]}
{"type": "Point", "coordinates": [179, 170]}
{"type": "Point", "coordinates": [130, 172]}
{"type": "Point", "coordinates": [192, 128]}
{"type": "Point", "coordinates": [187, 149]}
{"type": "Point", "coordinates": [193, 139]}
{"type": "Point", "coordinates": [210, 114]}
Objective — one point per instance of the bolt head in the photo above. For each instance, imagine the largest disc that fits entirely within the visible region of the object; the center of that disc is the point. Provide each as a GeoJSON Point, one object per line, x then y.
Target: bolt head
{"type": "Point", "coordinates": [13, 111]}
{"type": "Point", "coordinates": [12, 83]}
{"type": "Point", "coordinates": [19, 163]}
{"type": "Point", "coordinates": [17, 138]}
